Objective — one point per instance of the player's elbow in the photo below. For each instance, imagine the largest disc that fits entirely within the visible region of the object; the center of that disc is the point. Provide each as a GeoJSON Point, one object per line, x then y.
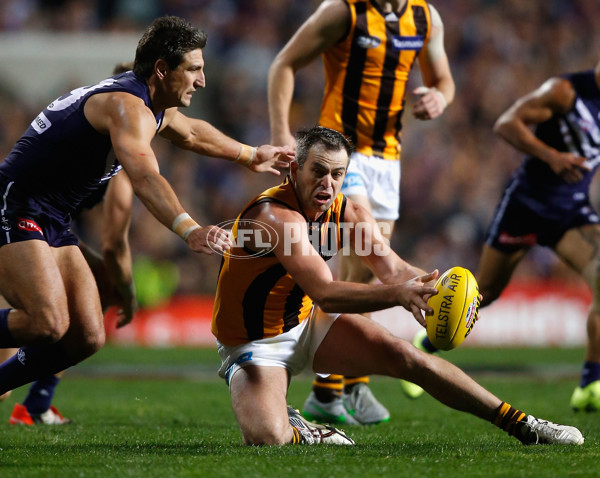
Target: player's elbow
{"type": "Point", "coordinates": [326, 303]}
{"type": "Point", "coordinates": [327, 307]}
{"type": "Point", "coordinates": [114, 247]}
{"type": "Point", "coordinates": [281, 68]}
{"type": "Point", "coordinates": [275, 68]}
{"type": "Point", "coordinates": [501, 125]}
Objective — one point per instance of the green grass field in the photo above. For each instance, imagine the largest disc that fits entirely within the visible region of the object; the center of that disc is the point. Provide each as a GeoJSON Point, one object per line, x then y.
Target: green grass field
{"type": "Point", "coordinates": [164, 413]}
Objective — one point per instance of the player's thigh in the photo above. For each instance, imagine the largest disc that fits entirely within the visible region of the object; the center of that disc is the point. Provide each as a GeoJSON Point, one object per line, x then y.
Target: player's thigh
{"type": "Point", "coordinates": [495, 270]}
{"type": "Point", "coordinates": [580, 249]}
{"type": "Point", "coordinates": [358, 346]}
{"type": "Point", "coordinates": [84, 302]}
{"type": "Point", "coordinates": [30, 278]}
{"type": "Point", "coordinates": [5, 354]}
{"type": "Point", "coordinates": [258, 398]}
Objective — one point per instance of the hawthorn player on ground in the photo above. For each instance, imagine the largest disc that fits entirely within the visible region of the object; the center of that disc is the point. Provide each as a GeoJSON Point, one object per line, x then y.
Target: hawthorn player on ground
{"type": "Point", "coordinates": [268, 327]}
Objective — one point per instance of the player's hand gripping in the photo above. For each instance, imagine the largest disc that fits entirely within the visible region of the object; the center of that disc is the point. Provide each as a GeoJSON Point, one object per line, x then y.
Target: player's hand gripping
{"type": "Point", "coordinates": [128, 304]}
{"type": "Point", "coordinates": [209, 239]}
{"type": "Point", "coordinates": [569, 166]}
{"type": "Point", "coordinates": [413, 295]}
{"type": "Point", "coordinates": [268, 158]}
{"type": "Point", "coordinates": [431, 104]}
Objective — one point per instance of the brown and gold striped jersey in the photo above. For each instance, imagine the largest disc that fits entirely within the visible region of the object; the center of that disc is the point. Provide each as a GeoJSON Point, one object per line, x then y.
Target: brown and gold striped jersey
{"type": "Point", "coordinates": [256, 298]}
{"type": "Point", "coordinates": [366, 74]}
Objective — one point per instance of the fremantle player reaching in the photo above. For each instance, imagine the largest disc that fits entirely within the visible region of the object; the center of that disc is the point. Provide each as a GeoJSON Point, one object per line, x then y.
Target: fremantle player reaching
{"type": "Point", "coordinates": [56, 315]}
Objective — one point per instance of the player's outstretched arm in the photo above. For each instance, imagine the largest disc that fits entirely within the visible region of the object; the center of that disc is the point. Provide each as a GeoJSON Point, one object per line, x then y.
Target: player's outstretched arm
{"type": "Point", "coordinates": [326, 26]}
{"type": "Point", "coordinates": [203, 138]}
{"type": "Point", "coordinates": [297, 255]}
{"type": "Point", "coordinates": [131, 126]}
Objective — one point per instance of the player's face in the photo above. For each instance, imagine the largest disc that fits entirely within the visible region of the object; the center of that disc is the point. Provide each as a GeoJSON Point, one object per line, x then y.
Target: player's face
{"type": "Point", "coordinates": [187, 77]}
{"type": "Point", "coordinates": [319, 181]}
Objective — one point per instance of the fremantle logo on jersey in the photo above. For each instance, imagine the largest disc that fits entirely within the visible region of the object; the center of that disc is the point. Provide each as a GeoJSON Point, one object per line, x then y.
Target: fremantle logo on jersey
{"type": "Point", "coordinates": [581, 134]}
{"type": "Point", "coordinates": [414, 43]}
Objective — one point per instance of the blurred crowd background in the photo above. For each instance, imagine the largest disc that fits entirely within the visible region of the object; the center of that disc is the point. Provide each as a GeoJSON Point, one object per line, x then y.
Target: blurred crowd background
{"type": "Point", "coordinates": [453, 168]}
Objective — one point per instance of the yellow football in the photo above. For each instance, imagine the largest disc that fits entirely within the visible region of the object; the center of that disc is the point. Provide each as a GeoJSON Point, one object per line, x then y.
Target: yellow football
{"type": "Point", "coordinates": [455, 308]}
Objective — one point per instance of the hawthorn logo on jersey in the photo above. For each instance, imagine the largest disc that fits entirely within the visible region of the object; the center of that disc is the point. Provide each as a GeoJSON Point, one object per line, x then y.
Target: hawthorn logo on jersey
{"type": "Point", "coordinates": [28, 225]}
{"type": "Point", "coordinates": [256, 238]}
{"type": "Point", "coordinates": [408, 42]}
{"type": "Point", "coordinates": [367, 41]}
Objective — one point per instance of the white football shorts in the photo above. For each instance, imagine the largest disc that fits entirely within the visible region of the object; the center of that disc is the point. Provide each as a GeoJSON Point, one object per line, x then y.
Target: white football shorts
{"type": "Point", "coordinates": [293, 350]}
{"type": "Point", "coordinates": [378, 180]}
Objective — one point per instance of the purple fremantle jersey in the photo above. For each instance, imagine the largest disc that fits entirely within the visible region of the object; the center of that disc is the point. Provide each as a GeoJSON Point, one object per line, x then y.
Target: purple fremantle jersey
{"type": "Point", "coordinates": [577, 131]}
{"type": "Point", "coordinates": [61, 159]}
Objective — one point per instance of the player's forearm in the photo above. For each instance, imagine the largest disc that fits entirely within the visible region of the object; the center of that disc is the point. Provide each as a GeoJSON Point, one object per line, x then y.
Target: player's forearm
{"type": "Point", "coordinates": [350, 297]}
{"type": "Point", "coordinates": [516, 133]}
{"type": "Point", "coordinates": [158, 197]}
{"type": "Point", "coordinates": [207, 140]}
{"type": "Point", "coordinates": [117, 258]}
{"type": "Point", "coordinates": [280, 94]}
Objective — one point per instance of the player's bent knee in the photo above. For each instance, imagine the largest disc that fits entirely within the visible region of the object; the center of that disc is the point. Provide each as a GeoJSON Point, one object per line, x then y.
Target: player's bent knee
{"type": "Point", "coordinates": [5, 395]}
{"type": "Point", "coordinates": [266, 430]}
{"type": "Point", "coordinates": [409, 362]}
{"type": "Point", "coordinates": [92, 343]}
{"type": "Point", "coordinates": [87, 343]}
{"type": "Point", "coordinates": [50, 328]}
{"type": "Point", "coordinates": [266, 437]}
{"type": "Point", "coordinates": [398, 358]}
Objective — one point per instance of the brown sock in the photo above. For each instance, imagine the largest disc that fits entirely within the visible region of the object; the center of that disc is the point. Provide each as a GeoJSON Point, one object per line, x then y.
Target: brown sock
{"type": "Point", "coordinates": [510, 420]}
{"type": "Point", "coordinates": [349, 382]}
{"type": "Point", "coordinates": [328, 388]}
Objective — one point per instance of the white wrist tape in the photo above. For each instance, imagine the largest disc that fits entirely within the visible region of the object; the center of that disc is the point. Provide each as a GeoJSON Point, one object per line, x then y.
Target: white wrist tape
{"type": "Point", "coordinates": [442, 97]}
{"type": "Point", "coordinates": [183, 225]}
{"type": "Point", "coordinates": [246, 155]}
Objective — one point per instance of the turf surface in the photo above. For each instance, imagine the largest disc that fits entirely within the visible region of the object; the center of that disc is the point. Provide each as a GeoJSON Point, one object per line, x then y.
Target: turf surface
{"type": "Point", "coordinates": [164, 413]}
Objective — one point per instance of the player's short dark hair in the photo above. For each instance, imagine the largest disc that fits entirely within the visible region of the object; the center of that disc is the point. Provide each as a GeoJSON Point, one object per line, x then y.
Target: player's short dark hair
{"type": "Point", "coordinates": [330, 139]}
{"type": "Point", "coordinates": [168, 38]}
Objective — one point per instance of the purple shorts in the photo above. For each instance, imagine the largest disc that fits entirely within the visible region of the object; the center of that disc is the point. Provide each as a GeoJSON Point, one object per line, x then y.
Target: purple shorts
{"type": "Point", "coordinates": [23, 218]}
{"type": "Point", "coordinates": [522, 220]}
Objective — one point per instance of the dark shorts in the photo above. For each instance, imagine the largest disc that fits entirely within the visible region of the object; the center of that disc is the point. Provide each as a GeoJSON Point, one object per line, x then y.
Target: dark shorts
{"type": "Point", "coordinates": [23, 218]}
{"type": "Point", "coordinates": [522, 220]}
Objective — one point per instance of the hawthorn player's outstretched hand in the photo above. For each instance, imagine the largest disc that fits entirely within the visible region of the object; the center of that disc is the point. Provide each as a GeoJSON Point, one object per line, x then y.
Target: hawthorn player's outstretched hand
{"type": "Point", "coordinates": [414, 294]}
